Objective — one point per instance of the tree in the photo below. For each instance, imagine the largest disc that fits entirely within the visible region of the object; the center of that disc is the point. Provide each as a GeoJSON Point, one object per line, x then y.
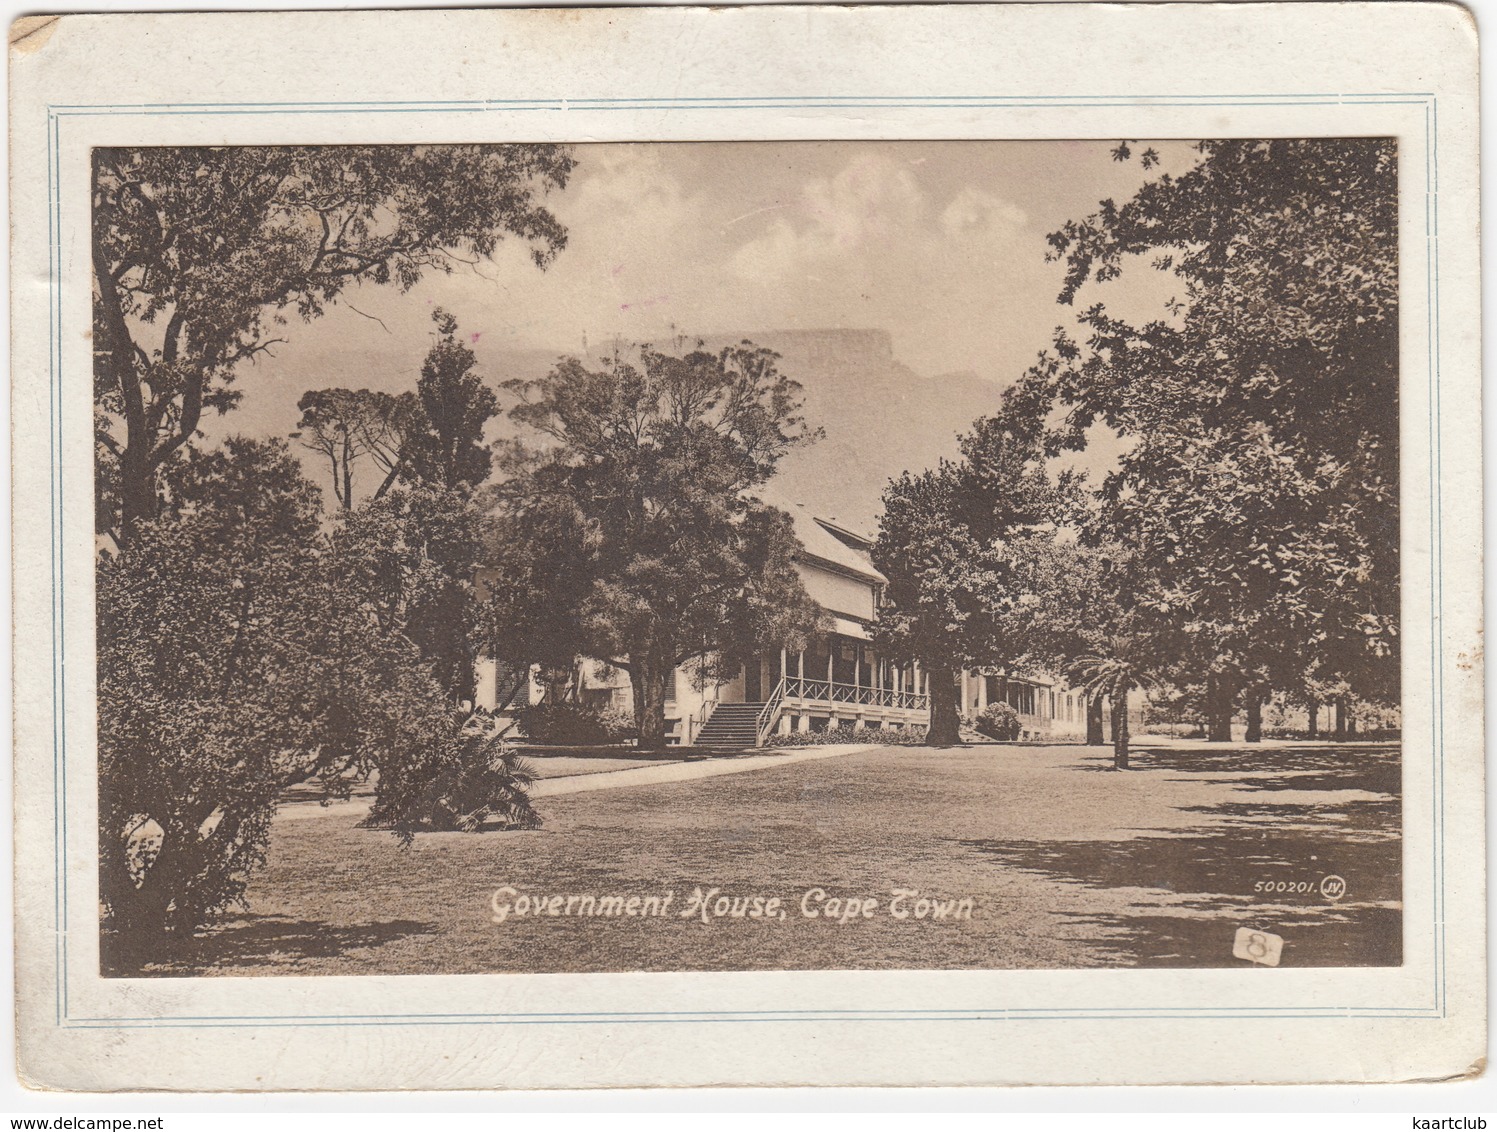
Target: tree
{"type": "Point", "coordinates": [945, 587]}
{"type": "Point", "coordinates": [531, 590]}
{"type": "Point", "coordinates": [1260, 467]}
{"type": "Point", "coordinates": [640, 506]}
{"type": "Point", "coordinates": [419, 547]}
{"type": "Point", "coordinates": [1113, 674]}
{"type": "Point", "coordinates": [334, 423]}
{"type": "Point", "coordinates": [219, 660]}
{"type": "Point", "coordinates": [959, 545]}
{"type": "Point", "coordinates": [198, 253]}
{"type": "Point", "coordinates": [447, 448]}
{"type": "Point", "coordinates": [428, 533]}
{"type": "Point", "coordinates": [346, 426]}
{"type": "Point", "coordinates": [242, 649]}
{"type": "Point", "coordinates": [1078, 598]}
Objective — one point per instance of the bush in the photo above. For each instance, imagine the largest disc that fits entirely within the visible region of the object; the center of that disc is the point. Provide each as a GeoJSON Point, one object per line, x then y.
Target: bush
{"type": "Point", "coordinates": [999, 721]}
{"type": "Point", "coordinates": [619, 724]}
{"type": "Point", "coordinates": [882, 736]}
{"type": "Point", "coordinates": [218, 661]}
{"type": "Point", "coordinates": [470, 778]}
{"type": "Point", "coordinates": [570, 725]}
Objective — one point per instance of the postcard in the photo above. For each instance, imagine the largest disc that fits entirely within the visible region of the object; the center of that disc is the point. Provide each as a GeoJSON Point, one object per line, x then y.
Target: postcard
{"type": "Point", "coordinates": [768, 546]}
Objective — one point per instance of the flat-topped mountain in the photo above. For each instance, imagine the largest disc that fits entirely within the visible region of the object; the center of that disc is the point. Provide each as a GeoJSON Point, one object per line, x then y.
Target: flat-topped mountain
{"type": "Point", "coordinates": [880, 417]}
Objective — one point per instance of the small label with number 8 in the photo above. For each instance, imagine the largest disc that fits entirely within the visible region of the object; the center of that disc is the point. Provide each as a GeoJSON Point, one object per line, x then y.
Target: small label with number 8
{"type": "Point", "coordinates": [1258, 947]}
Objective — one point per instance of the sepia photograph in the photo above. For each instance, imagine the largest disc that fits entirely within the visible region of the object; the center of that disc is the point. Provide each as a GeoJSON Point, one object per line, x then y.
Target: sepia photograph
{"type": "Point", "coordinates": [871, 546]}
{"type": "Point", "coordinates": [747, 556]}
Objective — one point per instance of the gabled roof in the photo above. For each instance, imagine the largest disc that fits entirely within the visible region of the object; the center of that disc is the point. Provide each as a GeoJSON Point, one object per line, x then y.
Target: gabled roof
{"type": "Point", "coordinates": [824, 543]}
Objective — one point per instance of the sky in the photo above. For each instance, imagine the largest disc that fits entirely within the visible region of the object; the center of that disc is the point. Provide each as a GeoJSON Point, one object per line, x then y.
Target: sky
{"type": "Point", "coordinates": [942, 244]}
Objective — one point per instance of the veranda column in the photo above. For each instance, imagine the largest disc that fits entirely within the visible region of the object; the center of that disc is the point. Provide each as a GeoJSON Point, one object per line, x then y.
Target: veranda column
{"type": "Point", "coordinates": [982, 693]}
{"type": "Point", "coordinates": [803, 719]}
{"type": "Point", "coordinates": [831, 653]}
{"type": "Point", "coordinates": [965, 700]}
{"type": "Point", "coordinates": [857, 684]}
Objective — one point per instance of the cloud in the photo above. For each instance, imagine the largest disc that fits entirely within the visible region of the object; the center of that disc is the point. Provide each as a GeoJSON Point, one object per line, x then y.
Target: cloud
{"type": "Point", "coordinates": [875, 213]}
{"type": "Point", "coordinates": [871, 201]}
{"type": "Point", "coordinates": [978, 213]}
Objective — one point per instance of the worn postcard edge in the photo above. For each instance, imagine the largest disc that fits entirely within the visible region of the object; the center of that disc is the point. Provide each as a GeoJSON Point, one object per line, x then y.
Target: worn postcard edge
{"type": "Point", "coordinates": [85, 80]}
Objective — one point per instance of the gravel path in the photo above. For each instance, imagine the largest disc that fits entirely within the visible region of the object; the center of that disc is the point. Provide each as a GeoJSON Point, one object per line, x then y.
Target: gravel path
{"type": "Point", "coordinates": [601, 774]}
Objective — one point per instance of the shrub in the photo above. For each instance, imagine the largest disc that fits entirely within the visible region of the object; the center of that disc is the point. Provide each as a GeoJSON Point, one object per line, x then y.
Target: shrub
{"type": "Point", "coordinates": [216, 642]}
{"type": "Point", "coordinates": [470, 777]}
{"type": "Point", "coordinates": [564, 724]}
{"type": "Point", "coordinates": [999, 721]}
{"type": "Point", "coordinates": [845, 733]}
{"type": "Point", "coordinates": [619, 724]}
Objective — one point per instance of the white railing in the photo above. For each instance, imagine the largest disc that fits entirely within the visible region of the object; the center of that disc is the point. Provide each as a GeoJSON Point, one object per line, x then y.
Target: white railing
{"type": "Point", "coordinates": [803, 688]}
{"type": "Point", "coordinates": [768, 714]}
{"type": "Point", "coordinates": [828, 691]}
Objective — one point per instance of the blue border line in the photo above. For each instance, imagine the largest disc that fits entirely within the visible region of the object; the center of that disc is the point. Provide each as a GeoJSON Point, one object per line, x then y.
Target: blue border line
{"type": "Point", "coordinates": [55, 523]}
{"type": "Point", "coordinates": [55, 113]}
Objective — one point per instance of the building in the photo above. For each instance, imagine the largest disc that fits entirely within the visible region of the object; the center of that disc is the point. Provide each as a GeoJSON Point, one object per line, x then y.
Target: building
{"type": "Point", "coordinates": [839, 680]}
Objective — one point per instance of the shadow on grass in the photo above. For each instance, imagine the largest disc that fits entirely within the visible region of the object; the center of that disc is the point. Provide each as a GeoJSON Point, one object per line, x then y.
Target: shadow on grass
{"type": "Point", "coordinates": [1178, 899]}
{"type": "Point", "coordinates": [265, 941]}
{"type": "Point", "coordinates": [1344, 760]}
{"type": "Point", "coordinates": [1202, 886]}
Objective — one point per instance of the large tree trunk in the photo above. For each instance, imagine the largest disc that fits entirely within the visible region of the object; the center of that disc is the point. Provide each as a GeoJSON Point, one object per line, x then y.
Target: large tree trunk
{"type": "Point", "coordinates": [1094, 736]}
{"type": "Point", "coordinates": [1351, 722]}
{"type": "Point", "coordinates": [1312, 709]}
{"type": "Point", "coordinates": [648, 675]}
{"type": "Point", "coordinates": [1219, 697]}
{"type": "Point", "coordinates": [1120, 729]}
{"type": "Point", "coordinates": [1254, 719]}
{"type": "Point", "coordinates": [1339, 731]}
{"type": "Point", "coordinates": [137, 492]}
{"type": "Point", "coordinates": [945, 707]}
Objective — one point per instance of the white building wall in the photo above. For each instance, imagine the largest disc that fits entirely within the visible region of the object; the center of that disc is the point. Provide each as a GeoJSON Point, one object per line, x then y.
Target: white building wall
{"type": "Point", "coordinates": [837, 593]}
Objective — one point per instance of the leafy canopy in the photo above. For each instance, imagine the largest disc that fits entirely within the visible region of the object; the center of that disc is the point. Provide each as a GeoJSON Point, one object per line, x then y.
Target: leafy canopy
{"type": "Point", "coordinates": [1258, 474]}
{"type": "Point", "coordinates": [199, 253]}
{"type": "Point", "coordinates": [637, 511]}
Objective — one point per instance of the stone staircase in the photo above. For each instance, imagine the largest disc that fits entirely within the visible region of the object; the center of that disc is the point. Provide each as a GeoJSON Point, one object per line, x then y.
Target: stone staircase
{"type": "Point", "coordinates": [730, 727]}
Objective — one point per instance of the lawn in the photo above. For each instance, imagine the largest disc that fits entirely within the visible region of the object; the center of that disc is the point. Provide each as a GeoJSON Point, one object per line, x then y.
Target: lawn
{"type": "Point", "coordinates": [1065, 864]}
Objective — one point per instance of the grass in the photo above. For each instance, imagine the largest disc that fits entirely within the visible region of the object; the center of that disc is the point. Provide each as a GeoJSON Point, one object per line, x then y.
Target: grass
{"type": "Point", "coordinates": [1067, 864]}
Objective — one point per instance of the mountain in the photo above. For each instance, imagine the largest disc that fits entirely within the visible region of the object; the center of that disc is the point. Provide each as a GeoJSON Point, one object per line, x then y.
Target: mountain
{"type": "Point", "coordinates": [880, 417]}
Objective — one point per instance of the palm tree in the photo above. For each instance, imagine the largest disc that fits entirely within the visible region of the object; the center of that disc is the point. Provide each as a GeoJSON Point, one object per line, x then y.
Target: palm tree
{"type": "Point", "coordinates": [1112, 674]}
